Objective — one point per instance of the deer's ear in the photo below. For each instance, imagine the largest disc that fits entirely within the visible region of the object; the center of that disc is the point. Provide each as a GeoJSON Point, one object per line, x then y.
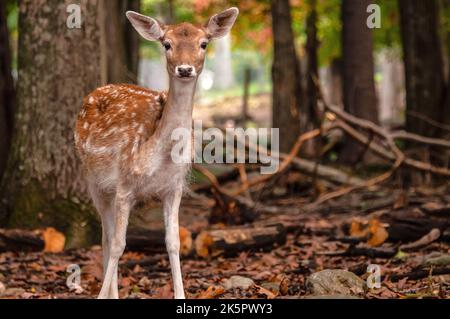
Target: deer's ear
{"type": "Point", "coordinates": [147, 27]}
{"type": "Point", "coordinates": [220, 24]}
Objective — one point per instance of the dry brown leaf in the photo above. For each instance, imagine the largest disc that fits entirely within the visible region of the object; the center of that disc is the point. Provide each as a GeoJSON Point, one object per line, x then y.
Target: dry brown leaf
{"type": "Point", "coordinates": [54, 241]}
{"type": "Point", "coordinates": [202, 244]}
{"type": "Point", "coordinates": [164, 292]}
{"type": "Point", "coordinates": [212, 292]}
{"type": "Point", "coordinates": [265, 292]}
{"type": "Point", "coordinates": [284, 287]}
{"type": "Point", "coordinates": [378, 233]}
{"type": "Point", "coordinates": [186, 241]}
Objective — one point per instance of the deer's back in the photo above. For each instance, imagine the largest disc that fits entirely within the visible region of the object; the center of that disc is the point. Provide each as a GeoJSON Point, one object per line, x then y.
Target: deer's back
{"type": "Point", "coordinates": [114, 122]}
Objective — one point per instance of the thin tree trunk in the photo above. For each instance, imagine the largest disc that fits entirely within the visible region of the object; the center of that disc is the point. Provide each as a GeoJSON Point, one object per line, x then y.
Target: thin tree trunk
{"type": "Point", "coordinates": [310, 118]}
{"type": "Point", "coordinates": [285, 76]}
{"type": "Point", "coordinates": [131, 39]}
{"type": "Point", "coordinates": [358, 71]}
{"type": "Point", "coordinates": [7, 91]}
{"type": "Point", "coordinates": [424, 65]}
{"type": "Point", "coordinates": [43, 184]}
{"type": "Point", "coordinates": [114, 45]}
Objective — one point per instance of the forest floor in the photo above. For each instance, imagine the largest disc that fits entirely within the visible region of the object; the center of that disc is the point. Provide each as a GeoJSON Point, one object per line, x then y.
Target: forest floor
{"type": "Point", "coordinates": [403, 232]}
{"type": "Point", "coordinates": [315, 242]}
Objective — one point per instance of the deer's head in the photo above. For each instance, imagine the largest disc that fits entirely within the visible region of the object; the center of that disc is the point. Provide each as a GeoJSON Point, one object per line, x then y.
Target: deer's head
{"type": "Point", "coordinates": [185, 44]}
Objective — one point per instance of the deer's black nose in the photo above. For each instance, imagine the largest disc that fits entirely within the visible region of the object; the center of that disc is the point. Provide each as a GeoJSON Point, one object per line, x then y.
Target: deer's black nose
{"type": "Point", "coordinates": [185, 71]}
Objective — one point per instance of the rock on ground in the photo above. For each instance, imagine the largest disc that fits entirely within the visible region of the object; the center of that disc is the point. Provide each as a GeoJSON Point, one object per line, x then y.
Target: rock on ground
{"type": "Point", "coordinates": [238, 282]}
{"type": "Point", "coordinates": [335, 282]}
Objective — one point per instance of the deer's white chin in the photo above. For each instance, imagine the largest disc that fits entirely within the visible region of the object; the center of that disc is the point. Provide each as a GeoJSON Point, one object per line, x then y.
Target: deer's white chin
{"type": "Point", "coordinates": [186, 78]}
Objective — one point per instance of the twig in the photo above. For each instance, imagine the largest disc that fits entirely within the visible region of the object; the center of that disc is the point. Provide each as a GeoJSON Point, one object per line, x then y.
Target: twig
{"type": "Point", "coordinates": [379, 150]}
{"type": "Point", "coordinates": [426, 119]}
{"type": "Point", "coordinates": [432, 236]}
{"type": "Point", "coordinates": [403, 135]}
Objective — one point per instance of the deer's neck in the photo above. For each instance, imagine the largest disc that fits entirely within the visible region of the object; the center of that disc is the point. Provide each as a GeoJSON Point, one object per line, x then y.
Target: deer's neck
{"type": "Point", "coordinates": [178, 109]}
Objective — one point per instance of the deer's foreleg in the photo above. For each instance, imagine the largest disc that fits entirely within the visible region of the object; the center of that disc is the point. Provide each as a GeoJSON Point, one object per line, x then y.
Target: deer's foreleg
{"type": "Point", "coordinates": [171, 207]}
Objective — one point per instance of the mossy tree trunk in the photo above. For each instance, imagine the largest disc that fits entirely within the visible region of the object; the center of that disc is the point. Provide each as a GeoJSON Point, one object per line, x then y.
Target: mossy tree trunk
{"type": "Point", "coordinates": [58, 66]}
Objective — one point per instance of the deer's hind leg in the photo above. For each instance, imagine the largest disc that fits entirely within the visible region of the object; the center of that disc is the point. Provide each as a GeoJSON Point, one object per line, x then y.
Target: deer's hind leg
{"type": "Point", "coordinates": [104, 202]}
{"type": "Point", "coordinates": [117, 241]}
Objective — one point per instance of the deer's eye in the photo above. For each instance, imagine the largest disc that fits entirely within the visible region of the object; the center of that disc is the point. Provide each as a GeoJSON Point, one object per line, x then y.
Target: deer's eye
{"type": "Point", "coordinates": [204, 45]}
{"type": "Point", "coordinates": [167, 46]}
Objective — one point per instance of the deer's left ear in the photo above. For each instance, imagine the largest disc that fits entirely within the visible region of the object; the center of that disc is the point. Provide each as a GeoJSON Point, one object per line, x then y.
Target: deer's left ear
{"type": "Point", "coordinates": [220, 24]}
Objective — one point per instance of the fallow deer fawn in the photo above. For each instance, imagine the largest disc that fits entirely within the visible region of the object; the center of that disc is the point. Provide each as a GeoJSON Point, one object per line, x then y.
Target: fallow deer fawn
{"type": "Point", "coordinates": [123, 136]}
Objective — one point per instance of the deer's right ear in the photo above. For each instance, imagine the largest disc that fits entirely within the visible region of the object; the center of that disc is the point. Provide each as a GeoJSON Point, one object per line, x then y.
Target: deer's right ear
{"type": "Point", "coordinates": [147, 27]}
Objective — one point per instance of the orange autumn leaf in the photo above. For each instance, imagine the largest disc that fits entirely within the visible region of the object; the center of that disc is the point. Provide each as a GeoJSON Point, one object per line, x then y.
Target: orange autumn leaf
{"type": "Point", "coordinates": [203, 243]}
{"type": "Point", "coordinates": [358, 229]}
{"type": "Point", "coordinates": [54, 240]}
{"type": "Point", "coordinates": [265, 292]}
{"type": "Point", "coordinates": [212, 292]}
{"type": "Point", "coordinates": [186, 241]}
{"type": "Point", "coordinates": [378, 233]}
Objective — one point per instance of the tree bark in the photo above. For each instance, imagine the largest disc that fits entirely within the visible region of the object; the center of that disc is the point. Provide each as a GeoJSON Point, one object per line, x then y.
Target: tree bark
{"type": "Point", "coordinates": [7, 91]}
{"type": "Point", "coordinates": [312, 46]}
{"type": "Point", "coordinates": [120, 42]}
{"type": "Point", "coordinates": [287, 90]}
{"type": "Point", "coordinates": [358, 70]}
{"type": "Point", "coordinates": [43, 184]}
{"type": "Point", "coordinates": [132, 40]}
{"type": "Point", "coordinates": [311, 118]}
{"type": "Point", "coordinates": [424, 65]}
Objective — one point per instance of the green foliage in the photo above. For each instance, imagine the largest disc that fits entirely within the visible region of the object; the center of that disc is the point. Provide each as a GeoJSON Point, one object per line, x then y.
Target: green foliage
{"type": "Point", "coordinates": [389, 33]}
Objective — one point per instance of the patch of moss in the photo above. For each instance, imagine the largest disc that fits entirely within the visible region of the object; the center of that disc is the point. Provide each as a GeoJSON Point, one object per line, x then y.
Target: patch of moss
{"type": "Point", "coordinates": [33, 208]}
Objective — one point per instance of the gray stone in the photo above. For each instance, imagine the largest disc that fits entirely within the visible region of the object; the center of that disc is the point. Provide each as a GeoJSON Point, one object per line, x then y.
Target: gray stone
{"type": "Point", "coordinates": [13, 292]}
{"type": "Point", "coordinates": [335, 282]}
{"type": "Point", "coordinates": [238, 282]}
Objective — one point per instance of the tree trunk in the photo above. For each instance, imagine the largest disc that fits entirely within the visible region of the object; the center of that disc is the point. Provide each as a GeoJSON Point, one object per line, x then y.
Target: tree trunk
{"type": "Point", "coordinates": [312, 45]}
{"type": "Point", "coordinates": [223, 68]}
{"type": "Point", "coordinates": [7, 92]}
{"type": "Point", "coordinates": [285, 77]}
{"type": "Point", "coordinates": [443, 132]}
{"type": "Point", "coordinates": [132, 40]}
{"type": "Point", "coordinates": [424, 65]}
{"type": "Point", "coordinates": [43, 184]}
{"type": "Point", "coordinates": [358, 70]}
{"type": "Point", "coordinates": [311, 117]}
{"type": "Point", "coordinates": [120, 42]}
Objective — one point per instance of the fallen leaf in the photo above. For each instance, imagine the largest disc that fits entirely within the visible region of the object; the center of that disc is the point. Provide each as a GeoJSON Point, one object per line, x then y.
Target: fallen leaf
{"type": "Point", "coordinates": [202, 244]}
{"type": "Point", "coordinates": [358, 228]}
{"type": "Point", "coordinates": [212, 292]}
{"type": "Point", "coordinates": [54, 241]}
{"type": "Point", "coordinates": [186, 241]}
{"type": "Point", "coordinates": [164, 292]}
{"type": "Point", "coordinates": [264, 292]}
{"type": "Point", "coordinates": [378, 233]}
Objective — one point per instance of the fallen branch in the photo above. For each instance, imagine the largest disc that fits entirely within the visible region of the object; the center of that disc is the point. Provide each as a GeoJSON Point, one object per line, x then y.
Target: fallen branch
{"type": "Point", "coordinates": [421, 273]}
{"type": "Point", "coordinates": [403, 135]}
{"type": "Point", "coordinates": [379, 150]}
{"type": "Point", "coordinates": [230, 242]}
{"type": "Point", "coordinates": [21, 240]}
{"type": "Point", "coordinates": [432, 236]}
